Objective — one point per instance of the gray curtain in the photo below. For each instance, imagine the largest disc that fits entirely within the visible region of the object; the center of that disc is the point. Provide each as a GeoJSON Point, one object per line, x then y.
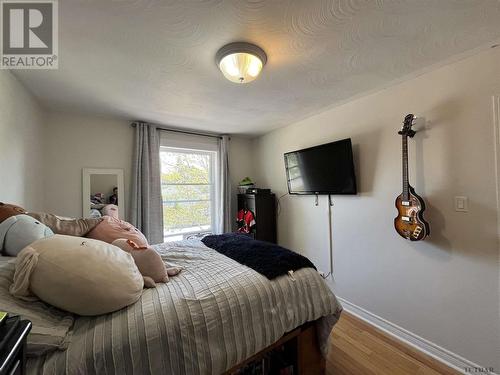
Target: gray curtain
{"type": "Point", "coordinates": [224, 215]}
{"type": "Point", "coordinates": [146, 205]}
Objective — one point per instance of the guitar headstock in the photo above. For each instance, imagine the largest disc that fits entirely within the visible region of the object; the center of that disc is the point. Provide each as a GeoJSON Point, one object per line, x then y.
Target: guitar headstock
{"type": "Point", "coordinates": [408, 122]}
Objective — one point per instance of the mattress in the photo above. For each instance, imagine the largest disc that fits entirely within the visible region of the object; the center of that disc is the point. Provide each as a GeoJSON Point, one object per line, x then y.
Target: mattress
{"type": "Point", "coordinates": [210, 317]}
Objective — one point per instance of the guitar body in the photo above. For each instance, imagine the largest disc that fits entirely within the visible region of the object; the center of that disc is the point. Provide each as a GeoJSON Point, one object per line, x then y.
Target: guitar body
{"type": "Point", "coordinates": [410, 223]}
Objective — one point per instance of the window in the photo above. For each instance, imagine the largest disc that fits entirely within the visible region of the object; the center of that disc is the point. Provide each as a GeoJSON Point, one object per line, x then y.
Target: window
{"type": "Point", "coordinates": [188, 184]}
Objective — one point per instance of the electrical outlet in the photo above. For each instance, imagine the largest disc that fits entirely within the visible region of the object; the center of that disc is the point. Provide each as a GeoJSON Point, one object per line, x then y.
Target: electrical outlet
{"type": "Point", "coordinates": [461, 204]}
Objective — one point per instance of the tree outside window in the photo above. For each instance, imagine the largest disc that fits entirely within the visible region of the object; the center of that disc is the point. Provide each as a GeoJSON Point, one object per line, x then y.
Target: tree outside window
{"type": "Point", "coordinates": [187, 192]}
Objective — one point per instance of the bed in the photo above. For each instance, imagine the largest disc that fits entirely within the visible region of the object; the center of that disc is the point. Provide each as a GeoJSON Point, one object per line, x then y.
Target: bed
{"type": "Point", "coordinates": [214, 315]}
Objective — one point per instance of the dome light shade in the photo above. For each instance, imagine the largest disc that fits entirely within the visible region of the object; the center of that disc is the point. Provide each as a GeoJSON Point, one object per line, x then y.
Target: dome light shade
{"type": "Point", "coordinates": [240, 62]}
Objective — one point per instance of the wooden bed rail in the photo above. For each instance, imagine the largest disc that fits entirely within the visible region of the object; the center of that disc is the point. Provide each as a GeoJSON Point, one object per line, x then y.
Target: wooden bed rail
{"type": "Point", "coordinates": [309, 360]}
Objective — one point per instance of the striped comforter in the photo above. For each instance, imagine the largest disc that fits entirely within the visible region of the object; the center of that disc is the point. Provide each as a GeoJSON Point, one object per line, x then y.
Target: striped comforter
{"type": "Point", "coordinates": [213, 315]}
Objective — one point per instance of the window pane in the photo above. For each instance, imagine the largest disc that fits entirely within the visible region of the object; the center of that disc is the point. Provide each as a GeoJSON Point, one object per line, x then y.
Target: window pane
{"type": "Point", "coordinates": [184, 168]}
{"type": "Point", "coordinates": [185, 192]}
{"type": "Point", "coordinates": [194, 216]}
{"type": "Point", "coordinates": [294, 172]}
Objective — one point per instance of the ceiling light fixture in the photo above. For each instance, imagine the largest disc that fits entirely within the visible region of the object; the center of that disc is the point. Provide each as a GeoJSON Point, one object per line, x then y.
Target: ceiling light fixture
{"type": "Point", "coordinates": [240, 62]}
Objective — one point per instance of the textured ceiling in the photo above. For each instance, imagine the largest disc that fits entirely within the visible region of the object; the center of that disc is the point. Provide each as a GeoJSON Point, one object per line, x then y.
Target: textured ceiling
{"type": "Point", "coordinates": [154, 60]}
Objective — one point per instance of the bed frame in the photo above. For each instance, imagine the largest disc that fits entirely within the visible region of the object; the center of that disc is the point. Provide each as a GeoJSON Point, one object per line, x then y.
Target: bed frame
{"type": "Point", "coordinates": [309, 357]}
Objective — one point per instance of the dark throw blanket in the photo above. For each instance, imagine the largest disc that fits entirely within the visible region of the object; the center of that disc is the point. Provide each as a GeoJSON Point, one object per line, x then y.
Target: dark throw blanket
{"type": "Point", "coordinates": [266, 258]}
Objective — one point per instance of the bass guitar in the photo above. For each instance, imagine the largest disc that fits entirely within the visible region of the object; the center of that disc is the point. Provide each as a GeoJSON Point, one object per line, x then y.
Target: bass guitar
{"type": "Point", "coordinates": [409, 223]}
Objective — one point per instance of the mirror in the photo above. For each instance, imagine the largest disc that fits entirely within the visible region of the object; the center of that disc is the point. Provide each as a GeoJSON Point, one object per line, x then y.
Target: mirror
{"type": "Point", "coordinates": [103, 192]}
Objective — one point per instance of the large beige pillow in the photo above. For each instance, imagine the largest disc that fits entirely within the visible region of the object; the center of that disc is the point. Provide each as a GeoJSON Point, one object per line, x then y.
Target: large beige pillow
{"type": "Point", "coordinates": [79, 275]}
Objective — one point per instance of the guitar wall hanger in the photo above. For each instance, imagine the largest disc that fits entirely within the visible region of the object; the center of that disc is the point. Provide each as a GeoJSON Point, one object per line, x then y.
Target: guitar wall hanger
{"type": "Point", "coordinates": [410, 223]}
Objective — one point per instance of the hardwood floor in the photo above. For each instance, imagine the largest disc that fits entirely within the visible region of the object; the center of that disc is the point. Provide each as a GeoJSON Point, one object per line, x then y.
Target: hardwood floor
{"type": "Point", "coordinates": [357, 348]}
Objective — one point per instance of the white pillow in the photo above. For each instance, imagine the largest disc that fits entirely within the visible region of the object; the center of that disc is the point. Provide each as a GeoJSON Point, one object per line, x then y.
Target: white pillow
{"type": "Point", "coordinates": [80, 275]}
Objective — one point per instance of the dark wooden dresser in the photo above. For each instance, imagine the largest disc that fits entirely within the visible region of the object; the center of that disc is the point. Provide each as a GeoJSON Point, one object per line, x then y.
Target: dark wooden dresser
{"type": "Point", "coordinates": [13, 334]}
{"type": "Point", "coordinates": [263, 207]}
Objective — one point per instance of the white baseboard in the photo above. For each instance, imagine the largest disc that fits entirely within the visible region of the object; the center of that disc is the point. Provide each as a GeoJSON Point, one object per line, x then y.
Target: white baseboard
{"type": "Point", "coordinates": [433, 350]}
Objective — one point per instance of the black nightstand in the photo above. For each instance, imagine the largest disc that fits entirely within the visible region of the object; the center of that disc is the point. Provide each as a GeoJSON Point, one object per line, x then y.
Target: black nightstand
{"type": "Point", "coordinates": [13, 334]}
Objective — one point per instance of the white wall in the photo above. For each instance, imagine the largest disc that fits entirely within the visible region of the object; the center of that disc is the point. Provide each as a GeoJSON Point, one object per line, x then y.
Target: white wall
{"type": "Point", "coordinates": [445, 289]}
{"type": "Point", "coordinates": [21, 148]}
{"type": "Point", "coordinates": [76, 141]}
{"type": "Point", "coordinates": [241, 165]}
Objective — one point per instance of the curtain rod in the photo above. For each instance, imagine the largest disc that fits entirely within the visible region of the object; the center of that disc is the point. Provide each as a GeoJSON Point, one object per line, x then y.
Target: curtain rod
{"type": "Point", "coordinates": [163, 128]}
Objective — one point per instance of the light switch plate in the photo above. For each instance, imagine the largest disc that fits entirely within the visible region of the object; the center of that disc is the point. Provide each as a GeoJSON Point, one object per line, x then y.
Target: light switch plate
{"type": "Point", "coordinates": [461, 204]}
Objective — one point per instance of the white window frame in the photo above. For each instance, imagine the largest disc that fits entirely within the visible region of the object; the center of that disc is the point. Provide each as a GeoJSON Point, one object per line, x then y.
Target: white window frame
{"type": "Point", "coordinates": [213, 183]}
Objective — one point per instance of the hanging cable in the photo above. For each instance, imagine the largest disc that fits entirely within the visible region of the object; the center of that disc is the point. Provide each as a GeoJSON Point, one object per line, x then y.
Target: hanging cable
{"type": "Point", "coordinates": [330, 233]}
{"type": "Point", "coordinates": [278, 204]}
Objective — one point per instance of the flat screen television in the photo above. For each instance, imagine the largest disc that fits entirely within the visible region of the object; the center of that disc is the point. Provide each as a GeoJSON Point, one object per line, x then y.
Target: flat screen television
{"type": "Point", "coordinates": [324, 169]}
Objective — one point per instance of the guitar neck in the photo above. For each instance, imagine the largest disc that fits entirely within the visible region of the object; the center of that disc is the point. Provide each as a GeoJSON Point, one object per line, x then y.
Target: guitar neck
{"type": "Point", "coordinates": [406, 185]}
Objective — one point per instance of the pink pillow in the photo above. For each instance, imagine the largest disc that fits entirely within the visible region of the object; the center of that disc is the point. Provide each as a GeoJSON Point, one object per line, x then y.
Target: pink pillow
{"type": "Point", "coordinates": [110, 210]}
{"type": "Point", "coordinates": [110, 229]}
